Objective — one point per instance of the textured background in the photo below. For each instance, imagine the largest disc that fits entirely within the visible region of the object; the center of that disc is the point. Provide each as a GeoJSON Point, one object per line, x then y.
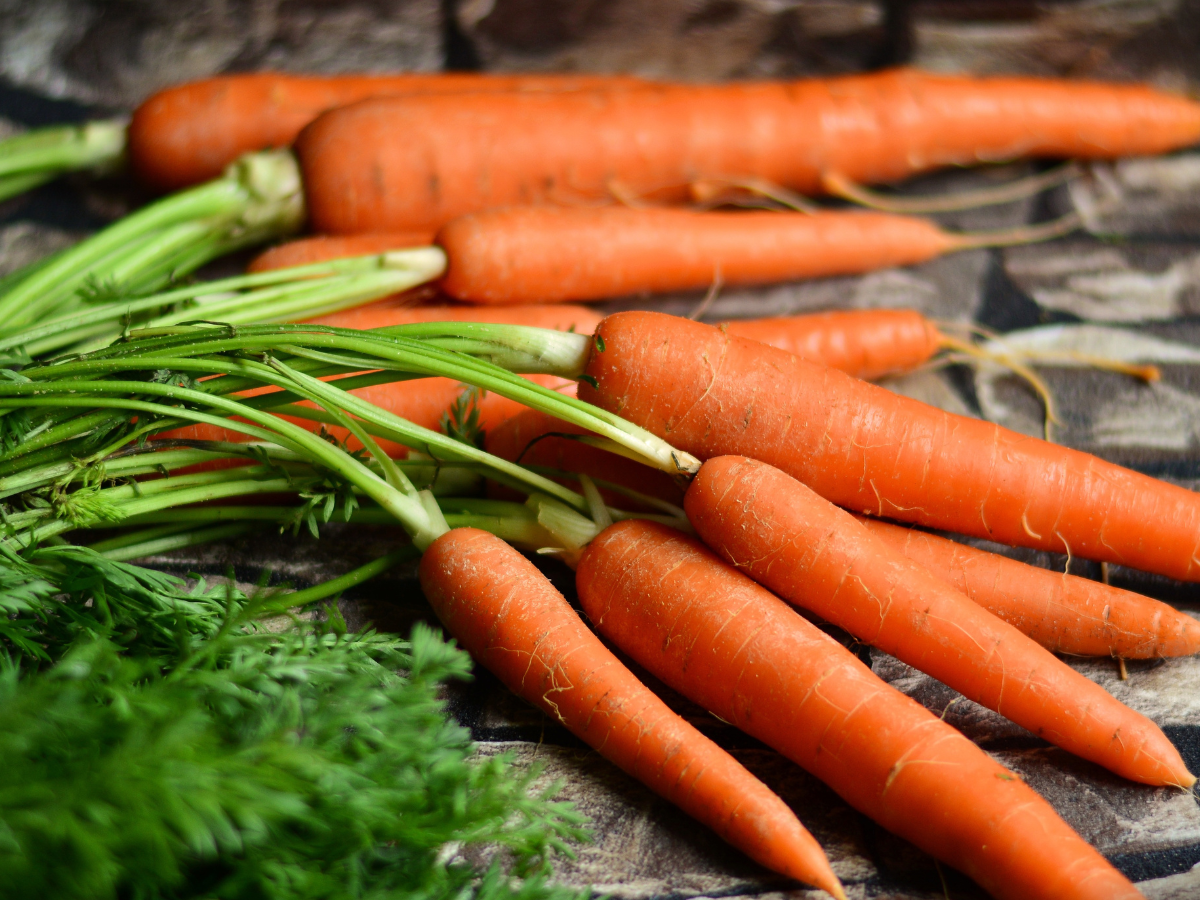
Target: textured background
{"type": "Point", "coordinates": [1129, 286]}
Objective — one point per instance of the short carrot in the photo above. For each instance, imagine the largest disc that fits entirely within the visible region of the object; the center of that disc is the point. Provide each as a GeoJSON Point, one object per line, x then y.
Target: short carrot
{"type": "Point", "coordinates": [189, 133]}
{"type": "Point", "coordinates": [1063, 613]}
{"type": "Point", "coordinates": [322, 248]}
{"type": "Point", "coordinates": [532, 438]}
{"type": "Point", "coordinates": [417, 162]}
{"type": "Point", "coordinates": [814, 555]}
{"type": "Point", "coordinates": [541, 254]}
{"type": "Point", "coordinates": [867, 449]}
{"type": "Point", "coordinates": [516, 624]}
{"type": "Point", "coordinates": [865, 343]}
{"type": "Point", "coordinates": [728, 644]}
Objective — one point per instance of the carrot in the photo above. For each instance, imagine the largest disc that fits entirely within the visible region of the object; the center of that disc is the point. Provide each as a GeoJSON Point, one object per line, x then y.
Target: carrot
{"type": "Point", "coordinates": [867, 449]}
{"type": "Point", "coordinates": [419, 161]}
{"type": "Point", "coordinates": [729, 645]}
{"type": "Point", "coordinates": [541, 254]}
{"type": "Point", "coordinates": [517, 625]}
{"type": "Point", "coordinates": [531, 437]}
{"type": "Point", "coordinates": [422, 401]}
{"type": "Point", "coordinates": [189, 133]}
{"type": "Point", "coordinates": [814, 555]}
{"type": "Point", "coordinates": [866, 343]}
{"type": "Point", "coordinates": [322, 248]}
{"type": "Point", "coordinates": [1061, 612]}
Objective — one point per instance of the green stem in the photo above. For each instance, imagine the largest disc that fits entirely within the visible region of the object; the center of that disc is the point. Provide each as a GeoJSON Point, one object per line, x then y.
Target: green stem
{"type": "Point", "coordinates": [333, 587]}
{"type": "Point", "coordinates": [167, 539]}
{"type": "Point", "coordinates": [259, 195]}
{"type": "Point", "coordinates": [64, 148]}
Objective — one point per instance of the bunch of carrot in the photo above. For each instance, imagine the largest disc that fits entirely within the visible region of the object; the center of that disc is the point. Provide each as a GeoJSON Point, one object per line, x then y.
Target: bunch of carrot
{"type": "Point", "coordinates": [784, 439]}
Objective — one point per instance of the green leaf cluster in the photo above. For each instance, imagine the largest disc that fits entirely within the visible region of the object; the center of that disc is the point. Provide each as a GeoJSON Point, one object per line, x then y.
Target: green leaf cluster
{"type": "Point", "coordinates": [158, 744]}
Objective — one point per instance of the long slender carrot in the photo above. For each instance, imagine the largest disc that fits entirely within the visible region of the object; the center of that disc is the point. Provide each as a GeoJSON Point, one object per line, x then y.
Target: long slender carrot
{"type": "Point", "coordinates": [814, 555]}
{"type": "Point", "coordinates": [1063, 613]}
{"type": "Point", "coordinates": [864, 343]}
{"type": "Point", "coordinates": [541, 254]}
{"type": "Point", "coordinates": [324, 247]}
{"type": "Point", "coordinates": [189, 133]}
{"type": "Point", "coordinates": [867, 449]}
{"type": "Point", "coordinates": [718, 638]}
{"type": "Point", "coordinates": [517, 625]}
{"type": "Point", "coordinates": [419, 161]}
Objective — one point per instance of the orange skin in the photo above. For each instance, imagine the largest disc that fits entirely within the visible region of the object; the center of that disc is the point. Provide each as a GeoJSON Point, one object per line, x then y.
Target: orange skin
{"type": "Point", "coordinates": [868, 343]}
{"type": "Point", "coordinates": [867, 449]}
{"type": "Point", "coordinates": [545, 254]}
{"type": "Point", "coordinates": [502, 610]}
{"type": "Point", "coordinates": [523, 438]}
{"type": "Point", "coordinates": [419, 161]}
{"type": "Point", "coordinates": [323, 247]}
{"type": "Point", "coordinates": [814, 555]}
{"type": "Point", "coordinates": [189, 133]}
{"type": "Point", "coordinates": [718, 638]}
{"type": "Point", "coordinates": [1063, 613]}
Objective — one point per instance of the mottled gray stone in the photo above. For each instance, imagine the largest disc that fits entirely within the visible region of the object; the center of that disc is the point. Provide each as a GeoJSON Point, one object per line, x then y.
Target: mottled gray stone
{"type": "Point", "coordinates": [116, 53]}
{"type": "Point", "coordinates": [1109, 283]}
{"type": "Point", "coordinates": [22, 243]}
{"type": "Point", "coordinates": [1142, 197]}
{"type": "Point", "coordinates": [1113, 39]}
{"type": "Point", "coordinates": [676, 39]}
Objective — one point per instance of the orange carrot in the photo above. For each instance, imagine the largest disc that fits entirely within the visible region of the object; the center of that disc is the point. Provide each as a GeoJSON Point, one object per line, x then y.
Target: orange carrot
{"type": "Point", "coordinates": [867, 449]}
{"type": "Point", "coordinates": [322, 248]}
{"type": "Point", "coordinates": [542, 254]}
{"type": "Point", "coordinates": [423, 401]}
{"type": "Point", "coordinates": [814, 555]}
{"type": "Point", "coordinates": [513, 621]}
{"type": "Point", "coordinates": [530, 438]}
{"type": "Point", "coordinates": [189, 133]}
{"type": "Point", "coordinates": [718, 638]}
{"type": "Point", "coordinates": [1061, 612]}
{"type": "Point", "coordinates": [866, 343]}
{"type": "Point", "coordinates": [419, 161]}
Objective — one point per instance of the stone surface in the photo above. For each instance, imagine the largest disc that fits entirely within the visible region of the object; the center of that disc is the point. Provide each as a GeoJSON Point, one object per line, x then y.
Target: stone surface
{"type": "Point", "coordinates": [675, 39]}
{"type": "Point", "coordinates": [113, 53]}
{"type": "Point", "coordinates": [1150, 40]}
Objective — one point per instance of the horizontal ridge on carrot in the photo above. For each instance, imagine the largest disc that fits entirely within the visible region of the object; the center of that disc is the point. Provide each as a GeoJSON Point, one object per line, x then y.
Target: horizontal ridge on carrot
{"type": "Point", "coordinates": [419, 161]}
{"type": "Point", "coordinates": [189, 133]}
{"type": "Point", "coordinates": [1062, 612]}
{"type": "Point", "coordinates": [812, 554]}
{"type": "Point", "coordinates": [510, 618]}
{"type": "Point", "coordinates": [728, 644]}
{"type": "Point", "coordinates": [532, 254]}
{"type": "Point", "coordinates": [867, 449]}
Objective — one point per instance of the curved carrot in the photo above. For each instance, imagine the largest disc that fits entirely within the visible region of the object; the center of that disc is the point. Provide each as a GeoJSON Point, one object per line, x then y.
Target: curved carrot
{"type": "Point", "coordinates": [419, 161]}
{"type": "Point", "coordinates": [323, 247]}
{"type": "Point", "coordinates": [867, 449]}
{"type": "Point", "coordinates": [513, 622]}
{"type": "Point", "coordinates": [189, 133]}
{"type": "Point", "coordinates": [814, 555]}
{"type": "Point", "coordinates": [542, 254]}
{"type": "Point", "coordinates": [867, 343]}
{"type": "Point", "coordinates": [1061, 612]}
{"type": "Point", "coordinates": [718, 638]}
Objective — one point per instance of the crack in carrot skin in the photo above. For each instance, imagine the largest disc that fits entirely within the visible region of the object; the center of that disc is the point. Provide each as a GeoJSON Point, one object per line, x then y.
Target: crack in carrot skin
{"type": "Point", "coordinates": [756, 663]}
{"type": "Point", "coordinates": [503, 611]}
